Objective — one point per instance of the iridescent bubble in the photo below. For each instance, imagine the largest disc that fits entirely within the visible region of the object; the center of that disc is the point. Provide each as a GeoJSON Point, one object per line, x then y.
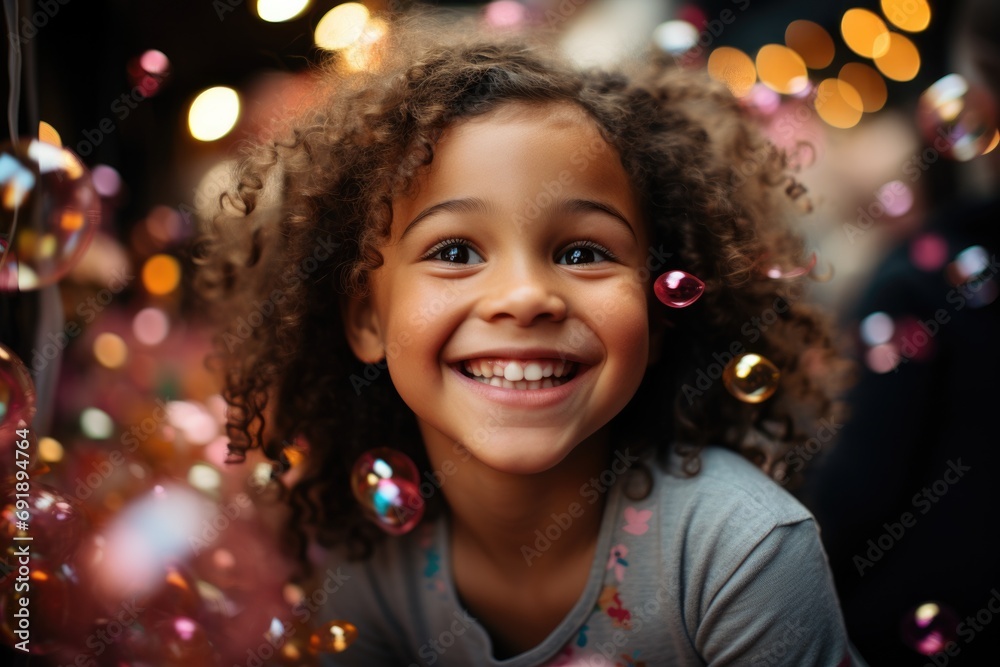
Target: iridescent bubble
{"type": "Point", "coordinates": [54, 597]}
{"type": "Point", "coordinates": [17, 399]}
{"type": "Point", "coordinates": [54, 524]}
{"type": "Point", "coordinates": [929, 627]}
{"type": "Point", "coordinates": [678, 289]}
{"type": "Point", "coordinates": [929, 252]}
{"type": "Point", "coordinates": [778, 273]}
{"type": "Point", "coordinates": [751, 378]}
{"type": "Point", "coordinates": [46, 195]}
{"type": "Point", "coordinates": [333, 637]}
{"type": "Point", "coordinates": [960, 114]}
{"type": "Point", "coordinates": [385, 484]}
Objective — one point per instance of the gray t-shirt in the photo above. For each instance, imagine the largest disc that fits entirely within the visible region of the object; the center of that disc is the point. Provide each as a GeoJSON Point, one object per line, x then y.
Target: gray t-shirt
{"type": "Point", "coordinates": [724, 568]}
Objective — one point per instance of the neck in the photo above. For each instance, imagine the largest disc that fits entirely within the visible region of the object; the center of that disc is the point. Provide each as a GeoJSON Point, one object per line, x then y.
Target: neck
{"type": "Point", "coordinates": [531, 524]}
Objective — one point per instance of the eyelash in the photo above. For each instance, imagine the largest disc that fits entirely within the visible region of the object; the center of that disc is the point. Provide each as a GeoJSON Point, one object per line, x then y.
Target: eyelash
{"type": "Point", "coordinates": [583, 243]}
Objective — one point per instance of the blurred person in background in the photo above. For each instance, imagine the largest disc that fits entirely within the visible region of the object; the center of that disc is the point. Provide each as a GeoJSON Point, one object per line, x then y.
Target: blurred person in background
{"type": "Point", "coordinates": [904, 499]}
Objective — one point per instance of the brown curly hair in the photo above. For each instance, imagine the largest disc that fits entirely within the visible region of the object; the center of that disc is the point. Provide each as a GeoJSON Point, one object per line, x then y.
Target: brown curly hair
{"type": "Point", "coordinates": [300, 229]}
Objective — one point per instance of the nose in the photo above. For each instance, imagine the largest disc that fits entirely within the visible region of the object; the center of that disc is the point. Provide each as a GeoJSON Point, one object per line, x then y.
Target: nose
{"type": "Point", "coordinates": [524, 294]}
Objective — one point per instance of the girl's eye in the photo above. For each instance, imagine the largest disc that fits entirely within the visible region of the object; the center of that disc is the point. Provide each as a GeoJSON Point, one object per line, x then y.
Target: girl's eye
{"type": "Point", "coordinates": [454, 252]}
{"type": "Point", "coordinates": [585, 253]}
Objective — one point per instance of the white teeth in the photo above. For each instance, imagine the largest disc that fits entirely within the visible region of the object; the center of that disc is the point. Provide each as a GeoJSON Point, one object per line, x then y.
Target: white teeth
{"type": "Point", "coordinates": [513, 372]}
{"type": "Point", "coordinates": [517, 374]}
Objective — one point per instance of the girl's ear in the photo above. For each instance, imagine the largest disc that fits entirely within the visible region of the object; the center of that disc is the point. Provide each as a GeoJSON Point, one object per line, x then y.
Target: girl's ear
{"type": "Point", "coordinates": [363, 329]}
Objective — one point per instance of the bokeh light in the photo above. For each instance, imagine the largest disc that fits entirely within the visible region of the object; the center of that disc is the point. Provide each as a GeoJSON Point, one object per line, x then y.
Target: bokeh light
{"type": "Point", "coordinates": [50, 449]}
{"type": "Point", "coordinates": [929, 252]}
{"type": "Point", "coordinates": [896, 197]}
{"type": "Point", "coordinates": [676, 37]}
{"type": "Point", "coordinates": [733, 68]}
{"type": "Point", "coordinates": [812, 42]}
{"type": "Point", "coordinates": [838, 103]}
{"type": "Point", "coordinates": [901, 61]}
{"type": "Point", "coordinates": [204, 478]}
{"type": "Point", "coordinates": [864, 33]}
{"type": "Point", "coordinates": [882, 358]}
{"type": "Point", "coordinates": [48, 134]}
{"type": "Point", "coordinates": [277, 11]}
{"type": "Point", "coordinates": [110, 350]}
{"type": "Point", "coordinates": [341, 26]}
{"type": "Point", "coordinates": [106, 180]}
{"type": "Point", "coordinates": [504, 14]}
{"type": "Point", "coordinates": [877, 328]}
{"type": "Point", "coordinates": [868, 83]}
{"type": "Point", "coordinates": [214, 113]}
{"type": "Point", "coordinates": [150, 326]}
{"type": "Point", "coordinates": [908, 15]}
{"type": "Point", "coordinates": [96, 424]}
{"type": "Point", "coordinates": [782, 69]}
{"type": "Point", "coordinates": [361, 54]}
{"type": "Point", "coordinates": [161, 274]}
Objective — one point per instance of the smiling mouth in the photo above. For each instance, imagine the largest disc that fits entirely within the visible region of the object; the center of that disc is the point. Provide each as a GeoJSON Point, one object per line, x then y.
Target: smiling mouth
{"type": "Point", "coordinates": [519, 374]}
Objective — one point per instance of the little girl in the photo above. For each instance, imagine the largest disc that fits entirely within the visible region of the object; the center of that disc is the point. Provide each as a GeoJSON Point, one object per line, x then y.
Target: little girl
{"type": "Point", "coordinates": [458, 249]}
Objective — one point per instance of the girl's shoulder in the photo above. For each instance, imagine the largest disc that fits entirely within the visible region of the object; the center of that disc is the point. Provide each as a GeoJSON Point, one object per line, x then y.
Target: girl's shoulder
{"type": "Point", "coordinates": [728, 490]}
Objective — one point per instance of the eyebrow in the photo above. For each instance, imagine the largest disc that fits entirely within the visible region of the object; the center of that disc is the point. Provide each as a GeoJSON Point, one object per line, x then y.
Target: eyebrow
{"type": "Point", "coordinates": [477, 205]}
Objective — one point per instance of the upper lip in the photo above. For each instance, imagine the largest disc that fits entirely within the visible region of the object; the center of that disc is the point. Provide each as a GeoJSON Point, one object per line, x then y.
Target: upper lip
{"type": "Point", "coordinates": [521, 354]}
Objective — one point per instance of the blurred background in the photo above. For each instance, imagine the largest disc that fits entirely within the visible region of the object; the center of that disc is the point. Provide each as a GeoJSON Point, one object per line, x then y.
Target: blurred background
{"type": "Point", "coordinates": [123, 120]}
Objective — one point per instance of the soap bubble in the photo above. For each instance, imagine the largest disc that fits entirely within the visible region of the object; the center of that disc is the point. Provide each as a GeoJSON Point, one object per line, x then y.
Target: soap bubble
{"type": "Point", "coordinates": [385, 483]}
{"type": "Point", "coordinates": [957, 118]}
{"type": "Point", "coordinates": [48, 202]}
{"type": "Point", "coordinates": [678, 289]}
{"type": "Point", "coordinates": [333, 637]}
{"type": "Point", "coordinates": [929, 627]}
{"type": "Point", "coordinates": [751, 378]}
{"type": "Point", "coordinates": [17, 399]}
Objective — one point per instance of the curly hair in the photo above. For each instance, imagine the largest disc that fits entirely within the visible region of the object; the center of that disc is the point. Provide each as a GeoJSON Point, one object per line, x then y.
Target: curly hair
{"type": "Point", "coordinates": [300, 230]}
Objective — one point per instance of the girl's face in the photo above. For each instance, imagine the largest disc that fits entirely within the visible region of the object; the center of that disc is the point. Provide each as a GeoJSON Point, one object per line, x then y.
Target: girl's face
{"type": "Point", "coordinates": [510, 308]}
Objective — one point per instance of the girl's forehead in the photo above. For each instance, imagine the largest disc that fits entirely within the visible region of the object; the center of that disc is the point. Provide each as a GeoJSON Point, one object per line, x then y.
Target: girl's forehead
{"type": "Point", "coordinates": [556, 113]}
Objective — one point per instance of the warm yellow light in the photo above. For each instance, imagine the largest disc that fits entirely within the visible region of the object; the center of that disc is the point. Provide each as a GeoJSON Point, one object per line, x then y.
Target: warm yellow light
{"type": "Point", "coordinates": [214, 113]}
{"type": "Point", "coordinates": [782, 69]}
{"type": "Point", "coordinates": [276, 11]}
{"type": "Point", "coordinates": [901, 61]}
{"type": "Point", "coordinates": [110, 350]}
{"type": "Point", "coordinates": [341, 26]}
{"type": "Point", "coordinates": [869, 84]}
{"type": "Point", "coordinates": [993, 144]}
{"type": "Point", "coordinates": [363, 53]}
{"type": "Point", "coordinates": [161, 274]}
{"type": "Point", "coordinates": [838, 103]}
{"type": "Point", "coordinates": [909, 15]}
{"type": "Point", "coordinates": [811, 41]}
{"type": "Point", "coordinates": [733, 68]}
{"type": "Point", "coordinates": [50, 449]}
{"type": "Point", "coordinates": [864, 33]}
{"type": "Point", "coordinates": [48, 134]}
